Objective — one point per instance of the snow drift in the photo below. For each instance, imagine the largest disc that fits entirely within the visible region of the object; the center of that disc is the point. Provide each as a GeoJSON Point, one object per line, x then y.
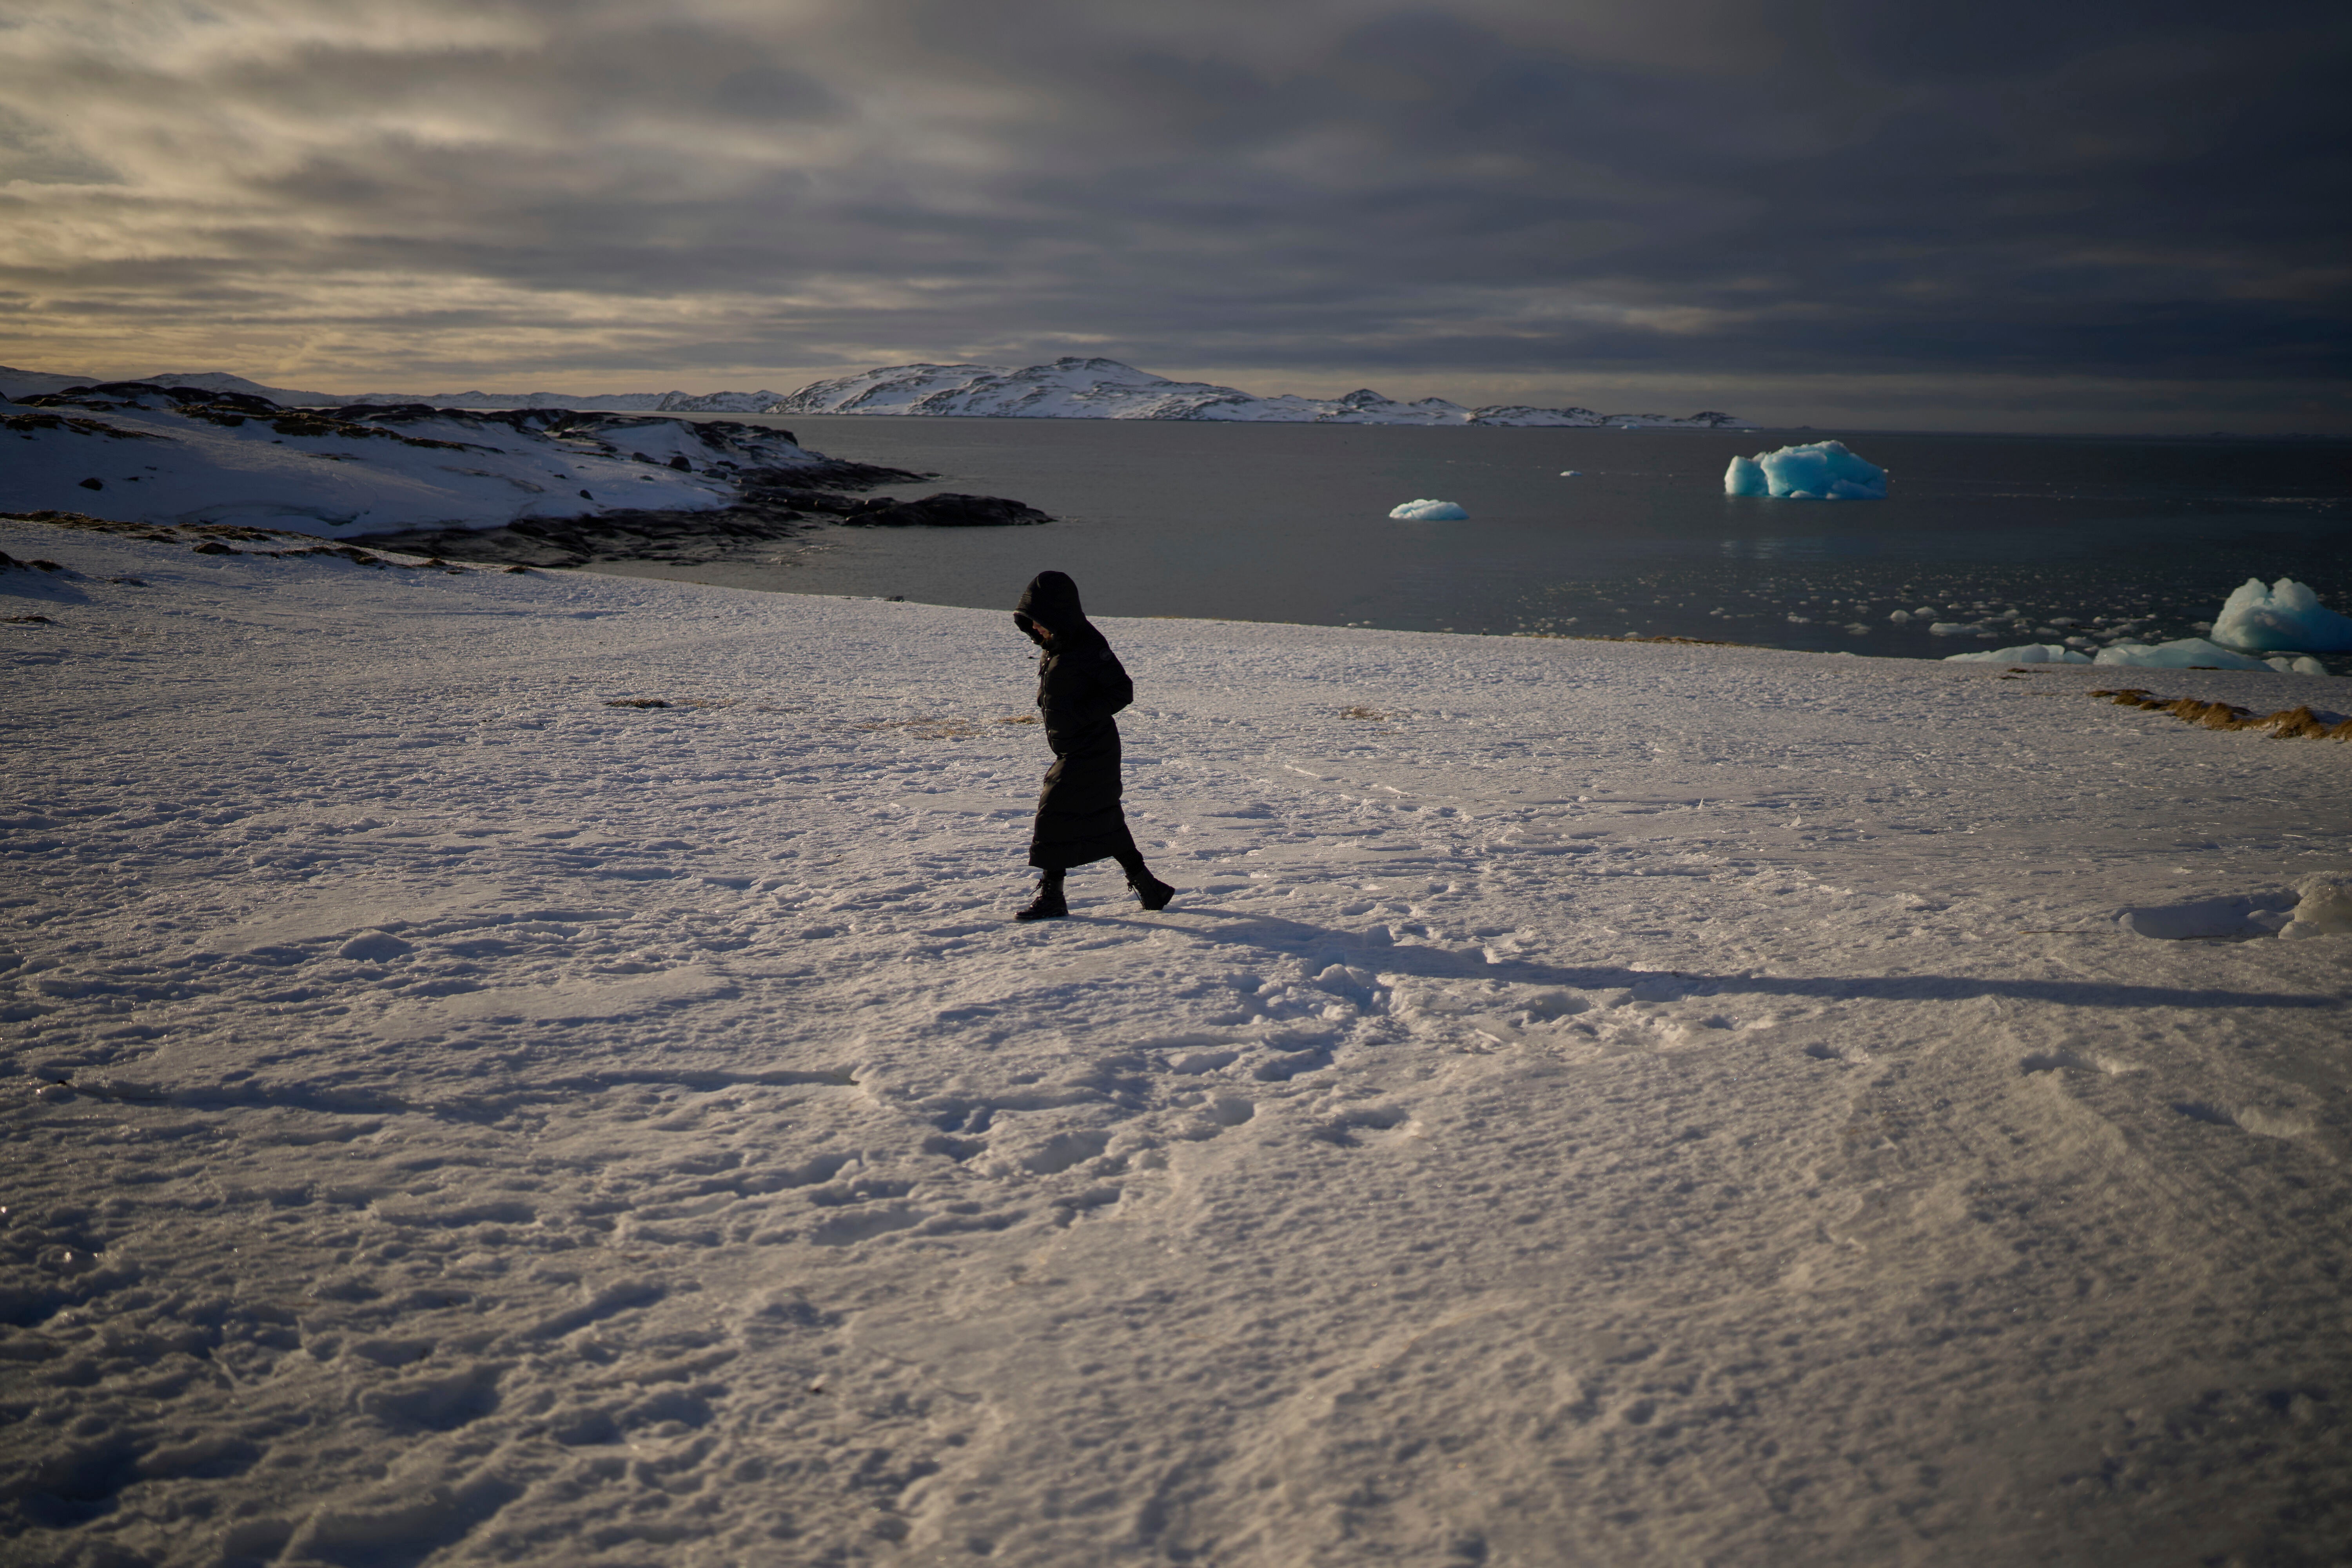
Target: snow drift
{"type": "Point", "coordinates": [1823, 470]}
{"type": "Point", "coordinates": [2284, 616]}
{"type": "Point", "coordinates": [2324, 907]}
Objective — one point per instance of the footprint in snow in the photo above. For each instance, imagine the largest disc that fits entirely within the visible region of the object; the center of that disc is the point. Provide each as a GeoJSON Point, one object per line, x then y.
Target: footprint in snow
{"type": "Point", "coordinates": [2248, 1118]}
{"type": "Point", "coordinates": [1341, 1131]}
{"type": "Point", "coordinates": [2063, 1061]}
{"type": "Point", "coordinates": [1216, 1115]}
{"type": "Point", "coordinates": [2228, 918]}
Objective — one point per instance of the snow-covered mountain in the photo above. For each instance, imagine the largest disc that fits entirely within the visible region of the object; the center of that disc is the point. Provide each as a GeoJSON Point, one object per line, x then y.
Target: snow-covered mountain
{"type": "Point", "coordinates": [141, 452]}
{"type": "Point", "coordinates": [718, 403]}
{"type": "Point", "coordinates": [1075, 388]}
{"type": "Point", "coordinates": [1069, 388]}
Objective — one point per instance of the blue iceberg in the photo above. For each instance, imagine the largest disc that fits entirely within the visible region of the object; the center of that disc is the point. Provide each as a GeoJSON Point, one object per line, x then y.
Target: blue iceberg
{"type": "Point", "coordinates": [2286, 614]}
{"type": "Point", "coordinates": [1430, 511]}
{"type": "Point", "coordinates": [1824, 471]}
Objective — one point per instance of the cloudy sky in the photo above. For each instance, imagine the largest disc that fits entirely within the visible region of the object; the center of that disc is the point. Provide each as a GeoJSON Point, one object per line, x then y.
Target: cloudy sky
{"type": "Point", "coordinates": [2007, 214]}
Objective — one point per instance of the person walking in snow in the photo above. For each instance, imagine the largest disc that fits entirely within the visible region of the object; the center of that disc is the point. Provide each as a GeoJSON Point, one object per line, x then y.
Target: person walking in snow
{"type": "Point", "coordinates": [1080, 684]}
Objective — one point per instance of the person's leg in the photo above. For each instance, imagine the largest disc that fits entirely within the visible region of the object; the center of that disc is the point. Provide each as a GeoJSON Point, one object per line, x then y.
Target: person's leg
{"type": "Point", "coordinates": [1150, 891]}
{"type": "Point", "coordinates": [1049, 904]}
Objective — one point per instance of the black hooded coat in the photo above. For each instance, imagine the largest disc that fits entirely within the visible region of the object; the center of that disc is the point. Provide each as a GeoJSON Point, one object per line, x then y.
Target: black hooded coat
{"type": "Point", "coordinates": [1080, 684]}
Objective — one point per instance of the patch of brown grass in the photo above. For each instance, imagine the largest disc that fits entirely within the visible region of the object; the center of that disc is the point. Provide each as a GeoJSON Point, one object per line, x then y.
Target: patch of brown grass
{"type": "Point", "coordinates": [2296, 723]}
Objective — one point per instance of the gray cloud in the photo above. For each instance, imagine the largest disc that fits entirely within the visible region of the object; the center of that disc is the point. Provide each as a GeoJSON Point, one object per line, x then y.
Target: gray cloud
{"type": "Point", "coordinates": [1800, 198]}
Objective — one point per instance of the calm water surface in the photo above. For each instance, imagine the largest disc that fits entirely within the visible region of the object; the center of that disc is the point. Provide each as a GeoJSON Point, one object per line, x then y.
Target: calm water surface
{"type": "Point", "coordinates": [1287, 522]}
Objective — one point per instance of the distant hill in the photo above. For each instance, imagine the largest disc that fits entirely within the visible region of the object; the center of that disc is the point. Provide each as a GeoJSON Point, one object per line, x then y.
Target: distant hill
{"type": "Point", "coordinates": [1075, 388]}
{"type": "Point", "coordinates": [1069, 388]}
{"type": "Point", "coordinates": [142, 452]}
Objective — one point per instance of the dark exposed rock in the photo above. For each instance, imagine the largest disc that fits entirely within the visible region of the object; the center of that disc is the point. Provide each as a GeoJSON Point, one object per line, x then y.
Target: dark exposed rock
{"type": "Point", "coordinates": [677, 537]}
{"type": "Point", "coordinates": [946, 510]}
{"type": "Point", "coordinates": [126, 391]}
{"type": "Point", "coordinates": [833, 474]}
{"type": "Point", "coordinates": [28, 423]}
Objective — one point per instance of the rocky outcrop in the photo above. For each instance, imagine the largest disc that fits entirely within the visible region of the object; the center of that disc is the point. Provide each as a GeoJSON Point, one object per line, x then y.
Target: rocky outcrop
{"type": "Point", "coordinates": [946, 510]}
{"type": "Point", "coordinates": [533, 486]}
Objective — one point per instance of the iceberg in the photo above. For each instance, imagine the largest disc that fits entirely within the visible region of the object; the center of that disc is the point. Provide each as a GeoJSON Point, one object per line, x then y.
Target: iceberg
{"type": "Point", "coordinates": [1430, 511]}
{"type": "Point", "coordinates": [2285, 616]}
{"type": "Point", "coordinates": [2187, 653]}
{"type": "Point", "coordinates": [1825, 471]}
{"type": "Point", "coordinates": [2028, 653]}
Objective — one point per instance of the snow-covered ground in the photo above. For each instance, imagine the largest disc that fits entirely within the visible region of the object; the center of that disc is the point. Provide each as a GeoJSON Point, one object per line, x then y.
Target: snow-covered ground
{"type": "Point", "coordinates": [1590, 1104]}
{"type": "Point", "coordinates": [131, 452]}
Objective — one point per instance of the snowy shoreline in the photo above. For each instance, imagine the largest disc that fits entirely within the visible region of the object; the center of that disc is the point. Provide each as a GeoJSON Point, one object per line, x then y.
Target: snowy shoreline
{"type": "Point", "coordinates": [1645, 1102]}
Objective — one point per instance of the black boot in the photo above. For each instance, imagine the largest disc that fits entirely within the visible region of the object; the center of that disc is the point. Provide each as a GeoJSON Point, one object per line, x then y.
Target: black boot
{"type": "Point", "coordinates": [1149, 890]}
{"type": "Point", "coordinates": [1049, 904]}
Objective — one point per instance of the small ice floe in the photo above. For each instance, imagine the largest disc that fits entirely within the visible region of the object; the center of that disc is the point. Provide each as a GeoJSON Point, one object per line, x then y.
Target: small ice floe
{"type": "Point", "coordinates": [1823, 470]}
{"type": "Point", "coordinates": [2286, 616]}
{"type": "Point", "coordinates": [1572, 473]}
{"type": "Point", "coordinates": [2183, 653]}
{"type": "Point", "coordinates": [2028, 653]}
{"type": "Point", "coordinates": [2307, 665]}
{"type": "Point", "coordinates": [1430, 511]}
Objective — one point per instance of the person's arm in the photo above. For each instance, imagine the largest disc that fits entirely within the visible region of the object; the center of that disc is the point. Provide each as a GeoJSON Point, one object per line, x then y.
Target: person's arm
{"type": "Point", "coordinates": [1087, 688]}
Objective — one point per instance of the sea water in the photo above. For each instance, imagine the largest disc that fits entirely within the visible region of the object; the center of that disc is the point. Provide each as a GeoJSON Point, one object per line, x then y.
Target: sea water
{"type": "Point", "coordinates": [2022, 539]}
